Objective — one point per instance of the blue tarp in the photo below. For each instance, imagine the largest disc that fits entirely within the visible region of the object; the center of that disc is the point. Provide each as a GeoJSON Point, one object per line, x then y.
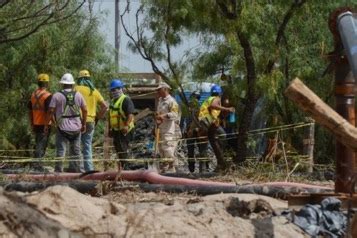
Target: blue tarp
{"type": "Point", "coordinates": [323, 219]}
{"type": "Point", "coordinates": [204, 96]}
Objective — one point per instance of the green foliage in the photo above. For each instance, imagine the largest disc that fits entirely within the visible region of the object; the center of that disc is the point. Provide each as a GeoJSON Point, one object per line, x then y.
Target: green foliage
{"type": "Point", "coordinates": [287, 39]}
{"type": "Point", "coordinates": [271, 81]}
{"type": "Point", "coordinates": [64, 46]}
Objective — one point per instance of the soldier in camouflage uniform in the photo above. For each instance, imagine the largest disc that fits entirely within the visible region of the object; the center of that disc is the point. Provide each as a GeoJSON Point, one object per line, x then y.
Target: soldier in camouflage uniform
{"type": "Point", "coordinates": [167, 119]}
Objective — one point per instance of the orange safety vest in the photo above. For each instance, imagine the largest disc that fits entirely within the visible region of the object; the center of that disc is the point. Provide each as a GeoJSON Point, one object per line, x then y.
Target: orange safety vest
{"type": "Point", "coordinates": [38, 99]}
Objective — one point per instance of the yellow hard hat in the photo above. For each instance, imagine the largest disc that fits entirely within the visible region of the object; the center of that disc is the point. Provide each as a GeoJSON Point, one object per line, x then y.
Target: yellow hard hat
{"type": "Point", "coordinates": [43, 78]}
{"type": "Point", "coordinates": [84, 73]}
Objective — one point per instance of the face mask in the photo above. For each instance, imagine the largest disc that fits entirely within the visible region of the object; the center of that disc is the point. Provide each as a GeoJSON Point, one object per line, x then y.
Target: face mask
{"type": "Point", "coordinates": [116, 93]}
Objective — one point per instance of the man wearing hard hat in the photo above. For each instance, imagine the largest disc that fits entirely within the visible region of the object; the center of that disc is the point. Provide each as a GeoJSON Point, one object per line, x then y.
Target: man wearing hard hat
{"type": "Point", "coordinates": [92, 96]}
{"type": "Point", "coordinates": [38, 107]}
{"type": "Point", "coordinates": [121, 121]}
{"type": "Point", "coordinates": [70, 110]}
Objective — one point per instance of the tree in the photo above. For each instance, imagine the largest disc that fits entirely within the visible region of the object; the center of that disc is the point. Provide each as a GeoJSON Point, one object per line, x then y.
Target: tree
{"type": "Point", "coordinates": [20, 19]}
{"type": "Point", "coordinates": [284, 43]}
{"type": "Point", "coordinates": [64, 46]}
{"type": "Point", "coordinates": [156, 35]}
{"type": "Point", "coordinates": [263, 44]}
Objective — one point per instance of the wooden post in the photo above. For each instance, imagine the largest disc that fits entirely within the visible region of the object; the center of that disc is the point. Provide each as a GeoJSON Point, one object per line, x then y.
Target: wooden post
{"type": "Point", "coordinates": [106, 144]}
{"type": "Point", "coordinates": [345, 132]}
{"type": "Point", "coordinates": [309, 142]}
{"type": "Point", "coordinates": [322, 113]}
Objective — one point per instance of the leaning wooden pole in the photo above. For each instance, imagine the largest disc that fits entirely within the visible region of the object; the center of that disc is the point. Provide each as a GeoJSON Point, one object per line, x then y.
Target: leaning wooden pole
{"type": "Point", "coordinates": [345, 133]}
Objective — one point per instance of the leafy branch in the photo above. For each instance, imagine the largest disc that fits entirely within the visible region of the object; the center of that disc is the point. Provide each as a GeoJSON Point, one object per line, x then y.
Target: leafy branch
{"type": "Point", "coordinates": [18, 28]}
{"type": "Point", "coordinates": [145, 48]}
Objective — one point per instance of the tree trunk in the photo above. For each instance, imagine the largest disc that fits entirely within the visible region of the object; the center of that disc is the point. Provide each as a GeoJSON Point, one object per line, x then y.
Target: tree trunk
{"type": "Point", "coordinates": [242, 140]}
{"type": "Point", "coordinates": [251, 99]}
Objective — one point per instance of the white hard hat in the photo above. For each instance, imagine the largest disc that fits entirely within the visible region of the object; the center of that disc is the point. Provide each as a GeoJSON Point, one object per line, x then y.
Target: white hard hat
{"type": "Point", "coordinates": [163, 85]}
{"type": "Point", "coordinates": [67, 79]}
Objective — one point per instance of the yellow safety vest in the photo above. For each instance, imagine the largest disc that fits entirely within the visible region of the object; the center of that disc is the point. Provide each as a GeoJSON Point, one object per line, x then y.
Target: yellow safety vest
{"type": "Point", "coordinates": [211, 115]}
{"type": "Point", "coordinates": [118, 119]}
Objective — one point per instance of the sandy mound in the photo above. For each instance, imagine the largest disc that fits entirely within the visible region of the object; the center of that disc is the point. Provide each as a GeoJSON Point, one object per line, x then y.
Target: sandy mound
{"type": "Point", "coordinates": [148, 215]}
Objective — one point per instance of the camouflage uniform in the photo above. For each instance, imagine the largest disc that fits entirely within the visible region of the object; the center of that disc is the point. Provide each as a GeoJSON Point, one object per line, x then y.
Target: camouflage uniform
{"type": "Point", "coordinates": [168, 127]}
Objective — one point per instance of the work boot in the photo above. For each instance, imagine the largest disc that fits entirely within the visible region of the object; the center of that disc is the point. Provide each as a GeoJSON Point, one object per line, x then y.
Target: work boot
{"type": "Point", "coordinates": [172, 168]}
{"type": "Point", "coordinates": [167, 167]}
{"type": "Point", "coordinates": [164, 167]}
{"type": "Point", "coordinates": [58, 169]}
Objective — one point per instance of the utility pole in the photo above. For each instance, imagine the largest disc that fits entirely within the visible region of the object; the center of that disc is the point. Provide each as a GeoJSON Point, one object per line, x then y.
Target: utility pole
{"type": "Point", "coordinates": [117, 37]}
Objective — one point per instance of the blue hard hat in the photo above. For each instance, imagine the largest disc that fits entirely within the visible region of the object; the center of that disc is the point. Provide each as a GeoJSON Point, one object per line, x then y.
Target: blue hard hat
{"type": "Point", "coordinates": [116, 83]}
{"type": "Point", "coordinates": [216, 89]}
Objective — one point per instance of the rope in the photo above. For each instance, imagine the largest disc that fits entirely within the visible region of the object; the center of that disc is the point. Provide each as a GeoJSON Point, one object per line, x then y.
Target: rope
{"type": "Point", "coordinates": [65, 159]}
{"type": "Point", "coordinates": [228, 136]}
{"type": "Point", "coordinates": [142, 95]}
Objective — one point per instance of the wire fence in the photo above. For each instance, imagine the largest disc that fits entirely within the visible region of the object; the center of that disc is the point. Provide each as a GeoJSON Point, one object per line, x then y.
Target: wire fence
{"type": "Point", "coordinates": [288, 162]}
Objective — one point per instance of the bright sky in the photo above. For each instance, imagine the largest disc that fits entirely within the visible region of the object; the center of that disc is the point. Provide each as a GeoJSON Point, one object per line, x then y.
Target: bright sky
{"type": "Point", "coordinates": [133, 62]}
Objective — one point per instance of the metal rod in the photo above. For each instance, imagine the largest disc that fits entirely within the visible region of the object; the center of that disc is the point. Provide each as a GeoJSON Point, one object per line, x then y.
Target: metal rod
{"type": "Point", "coordinates": [117, 36]}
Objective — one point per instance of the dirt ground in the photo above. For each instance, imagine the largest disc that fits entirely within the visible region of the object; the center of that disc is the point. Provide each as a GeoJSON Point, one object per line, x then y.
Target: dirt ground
{"type": "Point", "coordinates": [60, 211]}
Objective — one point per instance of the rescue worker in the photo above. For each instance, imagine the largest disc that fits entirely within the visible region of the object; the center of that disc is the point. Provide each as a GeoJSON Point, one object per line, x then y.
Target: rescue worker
{"type": "Point", "coordinates": [167, 121]}
{"type": "Point", "coordinates": [121, 121]}
{"type": "Point", "coordinates": [69, 108]}
{"type": "Point", "coordinates": [93, 98]}
{"type": "Point", "coordinates": [228, 123]}
{"type": "Point", "coordinates": [209, 121]}
{"type": "Point", "coordinates": [193, 134]}
{"type": "Point", "coordinates": [38, 107]}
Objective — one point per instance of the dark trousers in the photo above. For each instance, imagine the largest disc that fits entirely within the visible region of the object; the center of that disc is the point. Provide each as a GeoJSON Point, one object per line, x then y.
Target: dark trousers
{"type": "Point", "coordinates": [122, 146]}
{"type": "Point", "coordinates": [41, 141]}
{"type": "Point", "coordinates": [202, 148]}
{"type": "Point", "coordinates": [216, 137]}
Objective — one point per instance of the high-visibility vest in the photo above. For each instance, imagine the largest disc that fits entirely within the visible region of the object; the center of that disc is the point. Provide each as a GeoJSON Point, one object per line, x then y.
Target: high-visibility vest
{"type": "Point", "coordinates": [118, 120]}
{"type": "Point", "coordinates": [38, 99]}
{"type": "Point", "coordinates": [211, 115]}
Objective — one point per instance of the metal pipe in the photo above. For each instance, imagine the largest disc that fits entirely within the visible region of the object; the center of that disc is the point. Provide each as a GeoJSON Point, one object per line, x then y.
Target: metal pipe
{"type": "Point", "coordinates": [132, 175]}
{"type": "Point", "coordinates": [345, 104]}
{"type": "Point", "coordinates": [147, 176]}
